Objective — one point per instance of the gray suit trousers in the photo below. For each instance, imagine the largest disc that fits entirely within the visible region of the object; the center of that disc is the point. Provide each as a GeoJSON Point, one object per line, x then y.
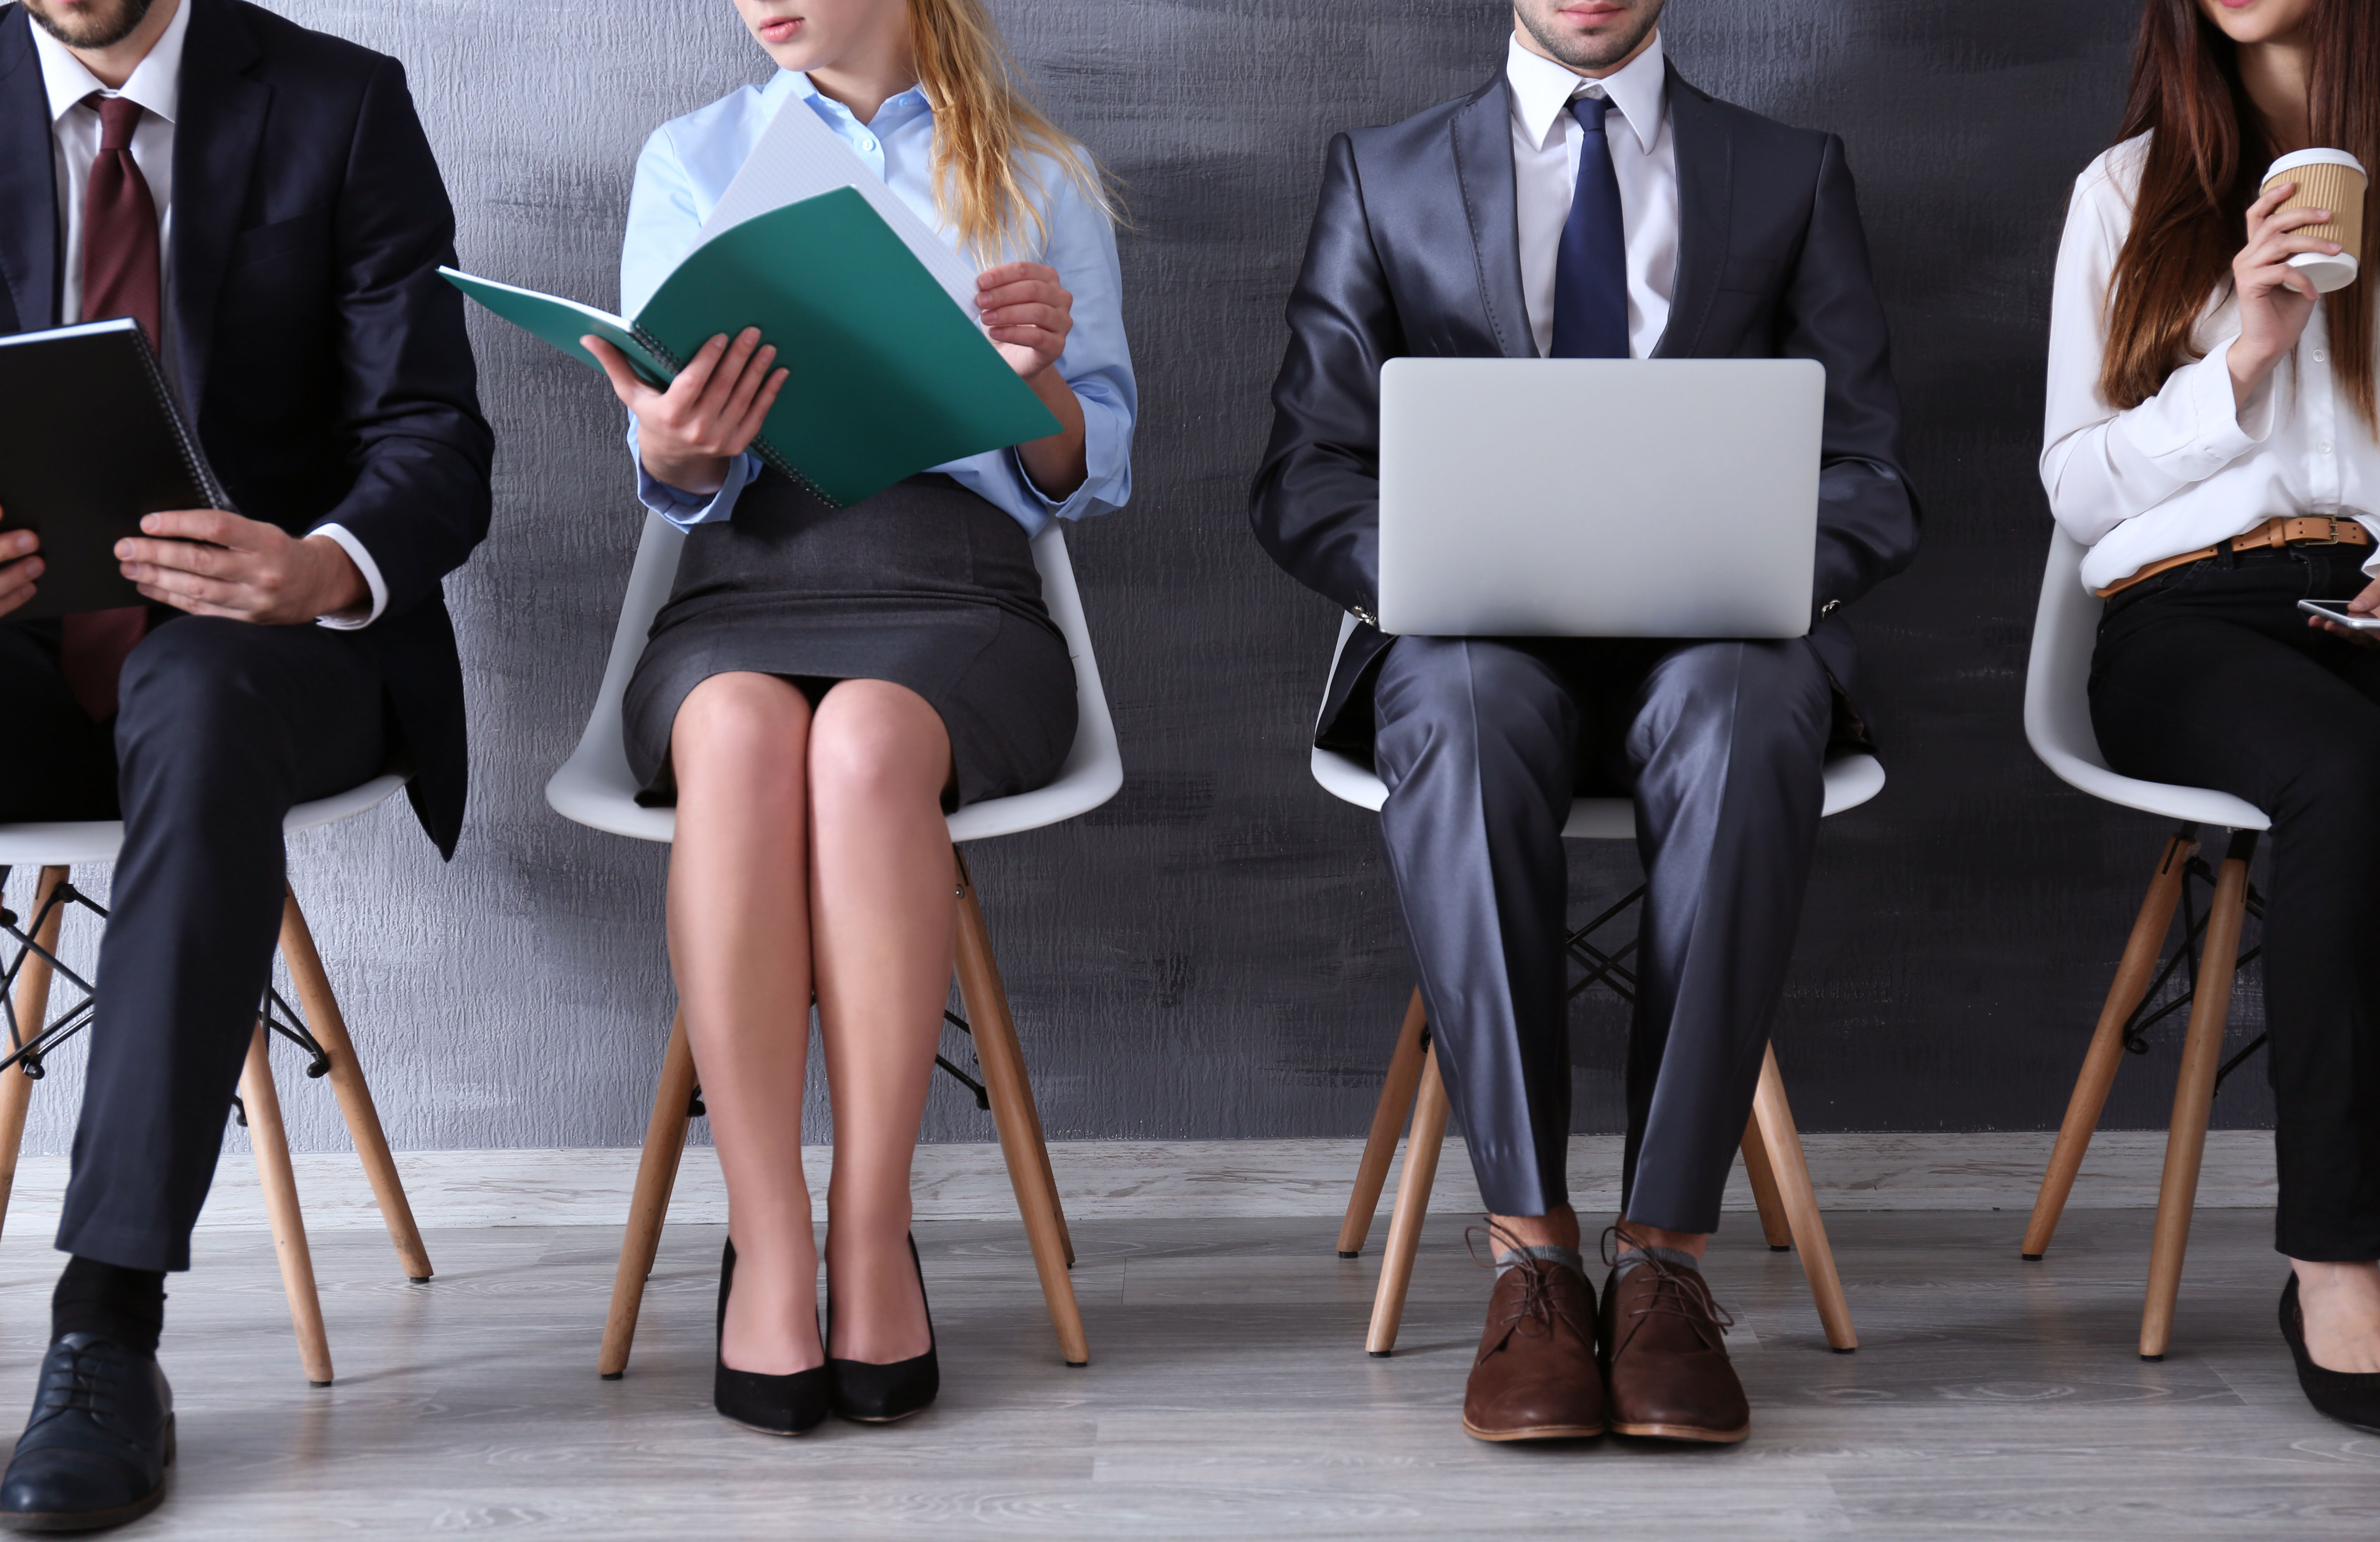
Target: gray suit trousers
{"type": "Point", "coordinates": [1482, 744]}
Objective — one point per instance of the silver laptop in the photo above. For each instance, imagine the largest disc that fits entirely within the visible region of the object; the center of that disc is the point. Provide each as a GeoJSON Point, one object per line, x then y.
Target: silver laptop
{"type": "Point", "coordinates": [1599, 497]}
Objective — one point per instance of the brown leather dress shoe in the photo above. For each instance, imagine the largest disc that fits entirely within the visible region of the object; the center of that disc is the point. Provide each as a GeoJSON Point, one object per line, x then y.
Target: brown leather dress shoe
{"type": "Point", "coordinates": [1536, 1378]}
{"type": "Point", "coordinates": [1666, 1358]}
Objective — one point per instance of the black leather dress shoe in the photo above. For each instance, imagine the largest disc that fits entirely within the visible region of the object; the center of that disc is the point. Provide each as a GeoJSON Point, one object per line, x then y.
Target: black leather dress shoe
{"type": "Point", "coordinates": [95, 1451]}
{"type": "Point", "coordinates": [2351, 1397]}
{"type": "Point", "coordinates": [875, 1394]}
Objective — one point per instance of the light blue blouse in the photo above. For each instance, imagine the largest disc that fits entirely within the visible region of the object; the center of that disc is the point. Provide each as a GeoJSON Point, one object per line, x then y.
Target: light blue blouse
{"type": "Point", "coordinates": [686, 168]}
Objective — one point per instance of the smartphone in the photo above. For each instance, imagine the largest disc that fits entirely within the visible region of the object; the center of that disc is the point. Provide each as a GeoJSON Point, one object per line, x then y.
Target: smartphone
{"type": "Point", "coordinates": [2336, 610]}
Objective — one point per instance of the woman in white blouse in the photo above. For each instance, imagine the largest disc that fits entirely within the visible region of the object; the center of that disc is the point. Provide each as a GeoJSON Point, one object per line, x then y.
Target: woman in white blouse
{"type": "Point", "coordinates": [2211, 437]}
{"type": "Point", "coordinates": [823, 684]}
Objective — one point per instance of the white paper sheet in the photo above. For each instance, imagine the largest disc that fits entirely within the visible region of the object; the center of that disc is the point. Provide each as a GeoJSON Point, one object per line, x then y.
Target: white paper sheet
{"type": "Point", "coordinates": [799, 157]}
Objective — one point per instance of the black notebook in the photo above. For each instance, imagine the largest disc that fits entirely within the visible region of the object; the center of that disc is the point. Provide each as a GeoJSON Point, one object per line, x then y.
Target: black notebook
{"type": "Point", "coordinates": [91, 441]}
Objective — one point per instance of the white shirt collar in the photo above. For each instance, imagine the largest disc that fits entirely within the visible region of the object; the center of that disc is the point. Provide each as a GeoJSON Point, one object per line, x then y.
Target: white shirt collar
{"type": "Point", "coordinates": [156, 84]}
{"type": "Point", "coordinates": [1542, 91]}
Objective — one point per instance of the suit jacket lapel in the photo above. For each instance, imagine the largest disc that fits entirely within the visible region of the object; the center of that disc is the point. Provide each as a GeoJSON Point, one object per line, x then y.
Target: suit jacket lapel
{"type": "Point", "coordinates": [1483, 166]}
{"type": "Point", "coordinates": [1706, 193]}
{"type": "Point", "coordinates": [28, 209]}
{"type": "Point", "coordinates": [215, 154]}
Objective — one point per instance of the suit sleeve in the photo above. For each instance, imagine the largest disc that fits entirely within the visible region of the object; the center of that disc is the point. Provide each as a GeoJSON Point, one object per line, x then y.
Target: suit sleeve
{"type": "Point", "coordinates": [1316, 499]}
{"type": "Point", "coordinates": [409, 388]}
{"type": "Point", "coordinates": [1867, 514]}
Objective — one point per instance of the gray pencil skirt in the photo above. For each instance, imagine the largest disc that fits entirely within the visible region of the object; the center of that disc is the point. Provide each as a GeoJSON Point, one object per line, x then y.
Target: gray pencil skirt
{"type": "Point", "coordinates": [926, 585]}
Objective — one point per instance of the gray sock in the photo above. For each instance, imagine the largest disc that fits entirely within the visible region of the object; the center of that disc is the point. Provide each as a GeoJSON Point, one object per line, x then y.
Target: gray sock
{"type": "Point", "coordinates": [1631, 1256]}
{"type": "Point", "coordinates": [1567, 1257]}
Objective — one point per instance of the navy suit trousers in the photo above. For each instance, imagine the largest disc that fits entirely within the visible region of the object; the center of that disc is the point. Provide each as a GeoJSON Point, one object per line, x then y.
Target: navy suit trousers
{"type": "Point", "coordinates": [223, 727]}
{"type": "Point", "coordinates": [1483, 742]}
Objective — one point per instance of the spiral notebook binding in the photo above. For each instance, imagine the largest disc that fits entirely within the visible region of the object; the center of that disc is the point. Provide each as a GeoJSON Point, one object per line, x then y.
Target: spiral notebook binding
{"type": "Point", "coordinates": [769, 454]}
{"type": "Point", "coordinates": [194, 456]}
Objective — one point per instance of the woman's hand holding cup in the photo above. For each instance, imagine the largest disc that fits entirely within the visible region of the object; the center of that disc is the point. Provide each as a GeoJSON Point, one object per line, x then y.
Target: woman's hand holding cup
{"type": "Point", "coordinates": [2276, 300]}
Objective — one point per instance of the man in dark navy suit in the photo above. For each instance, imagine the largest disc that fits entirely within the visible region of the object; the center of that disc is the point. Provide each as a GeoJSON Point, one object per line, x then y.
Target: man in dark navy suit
{"type": "Point", "coordinates": [1588, 202]}
{"type": "Point", "coordinates": [262, 201]}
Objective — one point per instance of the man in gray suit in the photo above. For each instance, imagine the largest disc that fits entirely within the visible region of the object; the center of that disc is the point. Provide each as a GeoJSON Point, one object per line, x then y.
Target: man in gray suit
{"type": "Point", "coordinates": [1587, 201]}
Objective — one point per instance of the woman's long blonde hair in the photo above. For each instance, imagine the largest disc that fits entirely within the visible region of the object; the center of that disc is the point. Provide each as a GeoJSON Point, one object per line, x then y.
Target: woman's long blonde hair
{"type": "Point", "coordinates": [985, 127]}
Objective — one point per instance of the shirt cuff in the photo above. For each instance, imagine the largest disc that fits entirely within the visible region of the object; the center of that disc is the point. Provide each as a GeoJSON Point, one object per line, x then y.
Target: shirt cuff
{"type": "Point", "coordinates": [2195, 426]}
{"type": "Point", "coordinates": [683, 509]}
{"type": "Point", "coordinates": [1104, 445]}
{"type": "Point", "coordinates": [359, 553]}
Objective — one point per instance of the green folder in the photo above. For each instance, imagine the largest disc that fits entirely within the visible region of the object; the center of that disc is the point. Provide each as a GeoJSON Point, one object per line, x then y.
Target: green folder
{"type": "Point", "coordinates": [887, 376]}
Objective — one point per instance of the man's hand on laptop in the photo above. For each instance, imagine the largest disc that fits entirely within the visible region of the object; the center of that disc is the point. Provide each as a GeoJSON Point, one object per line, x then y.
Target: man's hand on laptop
{"type": "Point", "coordinates": [211, 562]}
{"type": "Point", "coordinates": [19, 568]}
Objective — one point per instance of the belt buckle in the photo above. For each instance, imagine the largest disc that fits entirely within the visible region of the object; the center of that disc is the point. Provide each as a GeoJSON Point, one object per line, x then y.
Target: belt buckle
{"type": "Point", "coordinates": [2333, 540]}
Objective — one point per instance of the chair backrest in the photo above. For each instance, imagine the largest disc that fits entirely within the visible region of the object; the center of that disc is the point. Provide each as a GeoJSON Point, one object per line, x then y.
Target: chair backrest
{"type": "Point", "coordinates": [595, 787]}
{"type": "Point", "coordinates": [1852, 780]}
{"type": "Point", "coordinates": [2058, 706]}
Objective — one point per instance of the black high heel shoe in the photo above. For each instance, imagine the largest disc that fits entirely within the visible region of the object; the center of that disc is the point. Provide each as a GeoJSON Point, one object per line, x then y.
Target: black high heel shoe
{"type": "Point", "coordinates": [794, 1405]}
{"type": "Point", "coordinates": [879, 1395]}
{"type": "Point", "coordinates": [2351, 1397]}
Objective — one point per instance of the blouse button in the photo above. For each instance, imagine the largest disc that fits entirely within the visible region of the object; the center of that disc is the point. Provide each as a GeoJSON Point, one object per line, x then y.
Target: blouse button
{"type": "Point", "coordinates": [2322, 356]}
{"type": "Point", "coordinates": [2323, 448]}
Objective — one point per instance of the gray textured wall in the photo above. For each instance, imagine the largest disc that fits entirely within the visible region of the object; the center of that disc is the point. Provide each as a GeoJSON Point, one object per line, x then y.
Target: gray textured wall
{"type": "Point", "coordinates": [1216, 954]}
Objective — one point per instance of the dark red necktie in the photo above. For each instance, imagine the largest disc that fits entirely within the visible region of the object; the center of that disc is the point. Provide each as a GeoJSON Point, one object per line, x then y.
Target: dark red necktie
{"type": "Point", "coordinates": [119, 278]}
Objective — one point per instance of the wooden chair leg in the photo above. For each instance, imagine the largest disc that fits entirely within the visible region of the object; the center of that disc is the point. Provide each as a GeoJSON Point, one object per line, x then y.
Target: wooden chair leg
{"type": "Point", "coordinates": [2133, 974]}
{"type": "Point", "coordinates": [1397, 1094]}
{"type": "Point", "coordinates": [321, 1005]}
{"type": "Point", "coordinates": [1050, 1178]}
{"type": "Point", "coordinates": [1013, 1115]}
{"type": "Point", "coordinates": [656, 1175]}
{"type": "Point", "coordinates": [1412, 1212]}
{"type": "Point", "coordinates": [2193, 1095]}
{"type": "Point", "coordinates": [270, 1142]}
{"type": "Point", "coordinates": [1775, 1224]}
{"type": "Point", "coordinates": [31, 1006]}
{"type": "Point", "coordinates": [1774, 1119]}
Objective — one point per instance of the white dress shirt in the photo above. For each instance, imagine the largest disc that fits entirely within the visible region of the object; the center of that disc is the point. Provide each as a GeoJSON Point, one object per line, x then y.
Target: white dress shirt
{"type": "Point", "coordinates": [1545, 139]}
{"type": "Point", "coordinates": [2189, 467]}
{"type": "Point", "coordinates": [156, 84]}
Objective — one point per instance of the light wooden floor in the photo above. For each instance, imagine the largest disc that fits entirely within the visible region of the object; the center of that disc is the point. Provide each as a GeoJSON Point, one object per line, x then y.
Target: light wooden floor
{"type": "Point", "coordinates": [1230, 1396]}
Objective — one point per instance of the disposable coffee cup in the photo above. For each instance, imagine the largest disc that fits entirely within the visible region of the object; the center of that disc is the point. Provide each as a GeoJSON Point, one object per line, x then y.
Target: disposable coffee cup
{"type": "Point", "coordinates": [2329, 179]}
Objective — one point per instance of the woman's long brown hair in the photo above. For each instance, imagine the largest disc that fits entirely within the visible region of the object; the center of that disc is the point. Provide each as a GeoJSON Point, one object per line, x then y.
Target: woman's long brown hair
{"type": "Point", "coordinates": [985, 126]}
{"type": "Point", "coordinates": [2207, 149]}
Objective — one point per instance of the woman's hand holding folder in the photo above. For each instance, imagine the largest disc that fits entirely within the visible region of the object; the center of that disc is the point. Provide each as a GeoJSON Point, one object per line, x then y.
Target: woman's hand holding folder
{"type": "Point", "coordinates": [688, 434]}
{"type": "Point", "coordinates": [1028, 313]}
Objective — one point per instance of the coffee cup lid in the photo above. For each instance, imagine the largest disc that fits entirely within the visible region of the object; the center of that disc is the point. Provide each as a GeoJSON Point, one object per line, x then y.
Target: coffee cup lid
{"type": "Point", "coordinates": [2311, 158]}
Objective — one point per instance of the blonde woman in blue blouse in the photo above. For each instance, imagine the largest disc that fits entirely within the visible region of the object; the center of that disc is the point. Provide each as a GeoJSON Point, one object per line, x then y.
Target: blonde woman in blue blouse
{"type": "Point", "coordinates": [824, 684]}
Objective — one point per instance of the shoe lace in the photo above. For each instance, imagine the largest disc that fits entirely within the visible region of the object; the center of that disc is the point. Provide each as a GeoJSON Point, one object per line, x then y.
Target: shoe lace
{"type": "Point", "coordinates": [83, 1380]}
{"type": "Point", "coordinates": [1532, 1314]}
{"type": "Point", "coordinates": [1677, 1291]}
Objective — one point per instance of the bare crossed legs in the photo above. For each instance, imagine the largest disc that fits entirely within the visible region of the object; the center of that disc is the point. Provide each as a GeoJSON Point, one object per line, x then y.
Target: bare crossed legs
{"type": "Point", "coordinates": [811, 856]}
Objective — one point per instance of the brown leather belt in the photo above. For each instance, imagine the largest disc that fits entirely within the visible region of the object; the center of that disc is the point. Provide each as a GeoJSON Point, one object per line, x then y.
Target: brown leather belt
{"type": "Point", "coordinates": [2317, 530]}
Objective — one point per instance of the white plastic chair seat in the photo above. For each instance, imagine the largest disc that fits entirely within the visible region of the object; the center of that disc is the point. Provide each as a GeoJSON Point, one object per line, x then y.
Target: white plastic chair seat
{"type": "Point", "coordinates": [65, 842]}
{"type": "Point", "coordinates": [2058, 706]}
{"type": "Point", "coordinates": [1852, 780]}
{"type": "Point", "coordinates": [595, 788]}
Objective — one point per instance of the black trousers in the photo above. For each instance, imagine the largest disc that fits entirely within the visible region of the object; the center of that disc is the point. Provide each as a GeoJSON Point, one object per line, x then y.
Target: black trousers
{"type": "Point", "coordinates": [2208, 676]}
{"type": "Point", "coordinates": [222, 728]}
{"type": "Point", "coordinates": [1482, 743]}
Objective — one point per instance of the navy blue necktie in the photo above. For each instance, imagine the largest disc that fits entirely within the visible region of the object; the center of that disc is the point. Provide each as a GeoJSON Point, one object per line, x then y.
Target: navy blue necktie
{"type": "Point", "coordinates": [1591, 268]}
